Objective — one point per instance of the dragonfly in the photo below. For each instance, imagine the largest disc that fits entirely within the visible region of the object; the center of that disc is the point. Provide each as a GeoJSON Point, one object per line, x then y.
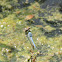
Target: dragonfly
{"type": "Point", "coordinates": [31, 39]}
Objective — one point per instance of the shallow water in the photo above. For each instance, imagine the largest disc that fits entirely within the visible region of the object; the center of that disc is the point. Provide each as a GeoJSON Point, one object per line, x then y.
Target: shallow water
{"type": "Point", "coordinates": [47, 35]}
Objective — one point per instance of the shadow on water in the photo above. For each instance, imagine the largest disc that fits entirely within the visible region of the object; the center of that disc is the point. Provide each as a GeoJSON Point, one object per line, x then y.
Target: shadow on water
{"type": "Point", "coordinates": [39, 22]}
{"type": "Point", "coordinates": [56, 23]}
{"type": "Point", "coordinates": [53, 33]}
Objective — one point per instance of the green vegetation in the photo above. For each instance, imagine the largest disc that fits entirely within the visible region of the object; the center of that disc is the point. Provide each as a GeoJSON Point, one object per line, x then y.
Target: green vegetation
{"type": "Point", "coordinates": [14, 45]}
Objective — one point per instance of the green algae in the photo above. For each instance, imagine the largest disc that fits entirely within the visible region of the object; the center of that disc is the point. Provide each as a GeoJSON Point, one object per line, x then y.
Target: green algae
{"type": "Point", "coordinates": [15, 47]}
